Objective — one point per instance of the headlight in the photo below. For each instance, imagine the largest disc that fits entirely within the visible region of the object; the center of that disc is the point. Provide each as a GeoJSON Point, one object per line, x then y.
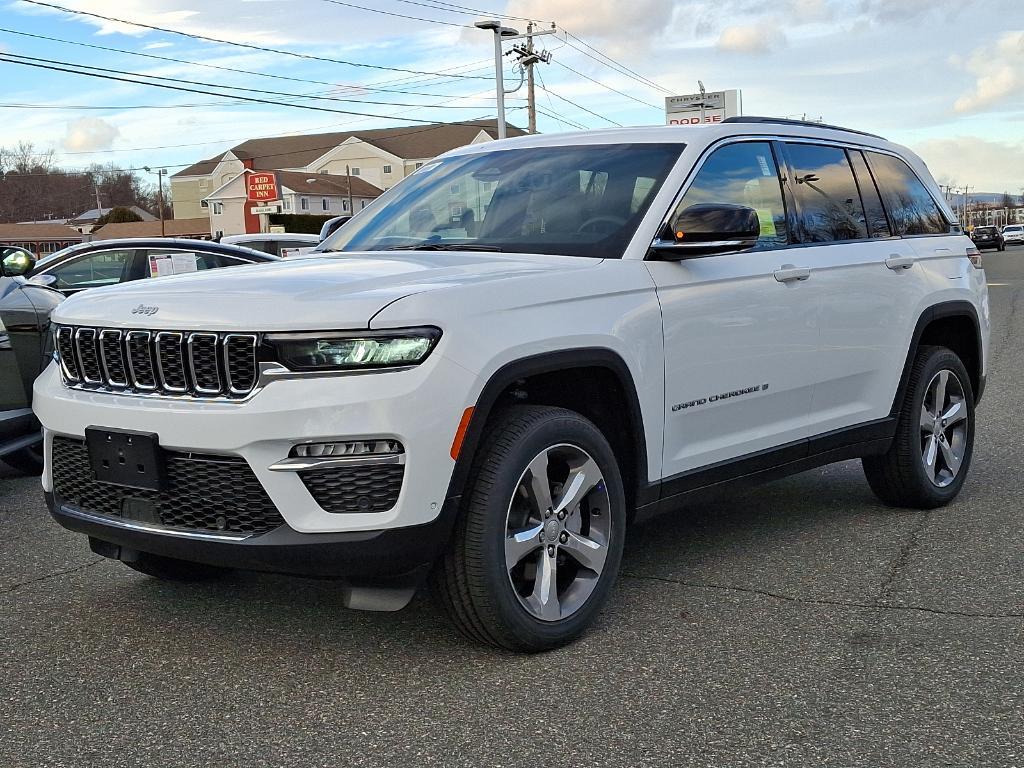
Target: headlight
{"type": "Point", "coordinates": [357, 350]}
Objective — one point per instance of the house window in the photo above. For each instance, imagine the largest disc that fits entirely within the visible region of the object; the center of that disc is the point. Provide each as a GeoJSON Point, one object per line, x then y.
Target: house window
{"type": "Point", "coordinates": [362, 204]}
{"type": "Point", "coordinates": [204, 203]}
{"type": "Point", "coordinates": [418, 166]}
{"type": "Point", "coordinates": [287, 203]}
{"type": "Point", "coordinates": [355, 171]}
{"type": "Point", "coordinates": [455, 189]}
{"type": "Point", "coordinates": [304, 203]}
{"type": "Point", "coordinates": [218, 209]}
{"type": "Point", "coordinates": [387, 169]}
{"type": "Point", "coordinates": [326, 204]}
{"type": "Point", "coordinates": [344, 205]}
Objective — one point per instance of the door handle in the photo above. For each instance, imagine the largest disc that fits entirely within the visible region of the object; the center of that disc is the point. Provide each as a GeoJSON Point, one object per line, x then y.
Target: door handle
{"type": "Point", "coordinates": [895, 262]}
{"type": "Point", "coordinates": [787, 273]}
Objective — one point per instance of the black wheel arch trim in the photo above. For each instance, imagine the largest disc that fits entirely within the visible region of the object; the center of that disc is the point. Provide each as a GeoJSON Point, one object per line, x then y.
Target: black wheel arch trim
{"type": "Point", "coordinates": [551, 362]}
{"type": "Point", "coordinates": [937, 312]}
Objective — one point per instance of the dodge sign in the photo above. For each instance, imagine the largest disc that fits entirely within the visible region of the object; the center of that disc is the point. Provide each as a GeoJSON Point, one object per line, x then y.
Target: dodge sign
{"type": "Point", "coordinates": [261, 187]}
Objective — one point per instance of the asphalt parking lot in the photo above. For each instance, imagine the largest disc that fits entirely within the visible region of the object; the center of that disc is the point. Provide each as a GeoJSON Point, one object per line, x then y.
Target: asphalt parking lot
{"type": "Point", "coordinates": [800, 624]}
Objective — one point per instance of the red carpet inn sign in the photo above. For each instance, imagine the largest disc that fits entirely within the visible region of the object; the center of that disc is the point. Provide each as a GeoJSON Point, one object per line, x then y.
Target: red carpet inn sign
{"type": "Point", "coordinates": [262, 187]}
{"type": "Point", "coordinates": [712, 106]}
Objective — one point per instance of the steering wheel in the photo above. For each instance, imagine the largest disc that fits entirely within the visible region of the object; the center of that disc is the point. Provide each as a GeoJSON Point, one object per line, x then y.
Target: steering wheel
{"type": "Point", "coordinates": [610, 222]}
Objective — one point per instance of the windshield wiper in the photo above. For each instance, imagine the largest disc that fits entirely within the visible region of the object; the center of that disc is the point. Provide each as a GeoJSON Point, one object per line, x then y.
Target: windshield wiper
{"type": "Point", "coordinates": [445, 247]}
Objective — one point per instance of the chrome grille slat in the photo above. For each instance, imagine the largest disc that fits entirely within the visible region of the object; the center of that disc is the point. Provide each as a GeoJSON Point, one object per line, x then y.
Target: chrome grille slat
{"type": "Point", "coordinates": [172, 363]}
{"type": "Point", "coordinates": [88, 358]}
{"type": "Point", "coordinates": [112, 358]}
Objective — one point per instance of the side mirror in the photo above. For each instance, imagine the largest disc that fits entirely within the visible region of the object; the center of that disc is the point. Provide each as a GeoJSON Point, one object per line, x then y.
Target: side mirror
{"type": "Point", "coordinates": [15, 262]}
{"type": "Point", "coordinates": [708, 229]}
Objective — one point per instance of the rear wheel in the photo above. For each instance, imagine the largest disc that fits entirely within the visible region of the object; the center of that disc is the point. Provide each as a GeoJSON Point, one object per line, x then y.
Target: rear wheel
{"type": "Point", "coordinates": [539, 541]}
{"type": "Point", "coordinates": [171, 569]}
{"type": "Point", "coordinates": [931, 453]}
{"type": "Point", "coordinates": [28, 460]}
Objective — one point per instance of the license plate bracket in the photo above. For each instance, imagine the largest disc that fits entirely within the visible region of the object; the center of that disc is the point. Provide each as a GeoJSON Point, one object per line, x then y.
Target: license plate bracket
{"type": "Point", "coordinates": [130, 459]}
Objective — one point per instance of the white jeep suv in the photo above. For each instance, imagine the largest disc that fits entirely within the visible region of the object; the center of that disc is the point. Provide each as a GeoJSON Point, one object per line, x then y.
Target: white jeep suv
{"type": "Point", "coordinates": [496, 368]}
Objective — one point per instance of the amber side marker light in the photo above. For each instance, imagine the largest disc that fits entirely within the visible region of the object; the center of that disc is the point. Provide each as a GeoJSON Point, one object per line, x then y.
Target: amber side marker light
{"type": "Point", "coordinates": [975, 256]}
{"type": "Point", "coordinates": [460, 433]}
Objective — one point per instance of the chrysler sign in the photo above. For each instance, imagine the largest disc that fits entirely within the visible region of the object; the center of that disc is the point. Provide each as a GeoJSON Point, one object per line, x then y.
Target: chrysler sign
{"type": "Point", "coordinates": [713, 107]}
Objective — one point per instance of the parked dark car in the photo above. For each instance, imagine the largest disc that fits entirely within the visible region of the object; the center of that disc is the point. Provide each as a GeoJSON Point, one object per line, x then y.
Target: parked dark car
{"type": "Point", "coordinates": [29, 291]}
{"type": "Point", "coordinates": [108, 262]}
{"type": "Point", "coordinates": [988, 237]}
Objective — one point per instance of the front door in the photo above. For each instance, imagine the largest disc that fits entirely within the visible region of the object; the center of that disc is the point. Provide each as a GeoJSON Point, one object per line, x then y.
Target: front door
{"type": "Point", "coordinates": [741, 330]}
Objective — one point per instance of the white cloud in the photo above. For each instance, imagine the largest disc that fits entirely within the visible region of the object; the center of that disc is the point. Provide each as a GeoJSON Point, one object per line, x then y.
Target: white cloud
{"type": "Point", "coordinates": [753, 38]}
{"type": "Point", "coordinates": [604, 19]}
{"type": "Point", "coordinates": [999, 73]}
{"type": "Point", "coordinates": [988, 166]}
{"type": "Point", "coordinates": [156, 46]}
{"type": "Point", "coordinates": [89, 133]}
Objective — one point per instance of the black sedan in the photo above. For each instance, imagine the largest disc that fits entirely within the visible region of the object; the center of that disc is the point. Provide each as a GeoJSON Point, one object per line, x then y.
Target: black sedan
{"type": "Point", "coordinates": [29, 291]}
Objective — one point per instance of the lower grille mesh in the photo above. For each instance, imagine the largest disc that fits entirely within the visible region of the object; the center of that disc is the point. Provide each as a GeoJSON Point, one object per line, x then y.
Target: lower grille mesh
{"type": "Point", "coordinates": [204, 493]}
{"type": "Point", "coordinates": [369, 488]}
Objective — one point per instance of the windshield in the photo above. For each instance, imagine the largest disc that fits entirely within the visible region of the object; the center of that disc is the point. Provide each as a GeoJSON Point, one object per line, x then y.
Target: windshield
{"type": "Point", "coordinates": [572, 201]}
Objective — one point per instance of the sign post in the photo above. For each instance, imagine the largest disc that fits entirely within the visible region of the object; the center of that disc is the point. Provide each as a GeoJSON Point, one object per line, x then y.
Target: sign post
{"type": "Point", "coordinates": [708, 108]}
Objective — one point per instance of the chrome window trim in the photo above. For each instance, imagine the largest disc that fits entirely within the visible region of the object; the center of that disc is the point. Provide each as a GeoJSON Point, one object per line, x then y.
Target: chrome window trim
{"type": "Point", "coordinates": [131, 369]}
{"type": "Point", "coordinates": [79, 333]}
{"type": "Point", "coordinates": [103, 358]}
{"type": "Point", "coordinates": [253, 339]}
{"type": "Point", "coordinates": [160, 364]}
{"type": "Point", "coordinates": [216, 362]}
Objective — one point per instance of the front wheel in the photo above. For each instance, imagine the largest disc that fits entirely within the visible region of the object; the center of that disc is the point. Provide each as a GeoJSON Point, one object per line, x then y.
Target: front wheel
{"type": "Point", "coordinates": [928, 461]}
{"type": "Point", "coordinates": [539, 540]}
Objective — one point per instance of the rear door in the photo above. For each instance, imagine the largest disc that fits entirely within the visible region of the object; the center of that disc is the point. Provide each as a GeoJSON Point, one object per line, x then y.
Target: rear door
{"type": "Point", "coordinates": [741, 330]}
{"type": "Point", "coordinates": [860, 274]}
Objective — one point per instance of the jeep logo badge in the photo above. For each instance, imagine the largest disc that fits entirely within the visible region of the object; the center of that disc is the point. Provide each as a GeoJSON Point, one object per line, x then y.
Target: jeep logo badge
{"type": "Point", "coordinates": [142, 309]}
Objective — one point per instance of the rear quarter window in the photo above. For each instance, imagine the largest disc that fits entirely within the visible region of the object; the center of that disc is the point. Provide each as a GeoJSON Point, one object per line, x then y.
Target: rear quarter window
{"type": "Point", "coordinates": [910, 205]}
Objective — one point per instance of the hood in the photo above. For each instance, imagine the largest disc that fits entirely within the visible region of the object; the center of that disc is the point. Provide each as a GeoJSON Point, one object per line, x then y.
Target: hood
{"type": "Point", "coordinates": [338, 291]}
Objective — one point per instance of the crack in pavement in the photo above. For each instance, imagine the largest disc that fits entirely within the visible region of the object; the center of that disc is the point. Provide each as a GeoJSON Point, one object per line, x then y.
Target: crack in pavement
{"type": "Point", "coordinates": [821, 601]}
{"type": "Point", "coordinates": [903, 556]}
{"type": "Point", "coordinates": [76, 569]}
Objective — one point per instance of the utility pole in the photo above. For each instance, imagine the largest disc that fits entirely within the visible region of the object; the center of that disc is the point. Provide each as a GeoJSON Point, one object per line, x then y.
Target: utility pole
{"type": "Point", "coordinates": [99, 207]}
{"type": "Point", "coordinates": [160, 199]}
{"type": "Point", "coordinates": [348, 184]}
{"type": "Point", "coordinates": [527, 59]}
{"type": "Point", "coordinates": [531, 103]}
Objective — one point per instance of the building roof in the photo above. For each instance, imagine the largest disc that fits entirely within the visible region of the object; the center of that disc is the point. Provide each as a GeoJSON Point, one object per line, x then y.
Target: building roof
{"type": "Point", "coordinates": [410, 142]}
{"type": "Point", "coordinates": [326, 184]}
{"type": "Point", "coordinates": [15, 233]}
{"type": "Point", "coordinates": [94, 213]}
{"type": "Point", "coordinates": [172, 228]}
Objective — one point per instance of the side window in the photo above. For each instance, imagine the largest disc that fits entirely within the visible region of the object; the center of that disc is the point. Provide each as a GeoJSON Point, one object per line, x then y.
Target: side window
{"type": "Point", "coordinates": [878, 226]}
{"type": "Point", "coordinates": [743, 174]}
{"type": "Point", "coordinates": [93, 270]}
{"type": "Point", "coordinates": [826, 194]}
{"type": "Point", "coordinates": [910, 206]}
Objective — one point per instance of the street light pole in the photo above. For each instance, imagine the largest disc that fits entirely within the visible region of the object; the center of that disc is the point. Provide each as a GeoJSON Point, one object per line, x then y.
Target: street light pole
{"type": "Point", "coordinates": [499, 32]}
{"type": "Point", "coordinates": [160, 173]}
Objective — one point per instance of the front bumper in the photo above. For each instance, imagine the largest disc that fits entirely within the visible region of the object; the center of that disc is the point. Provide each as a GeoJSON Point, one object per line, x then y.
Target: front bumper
{"type": "Point", "coordinates": [420, 408]}
{"type": "Point", "coordinates": [395, 559]}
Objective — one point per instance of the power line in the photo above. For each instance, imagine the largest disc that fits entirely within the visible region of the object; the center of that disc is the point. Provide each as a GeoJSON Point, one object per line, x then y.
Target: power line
{"type": "Point", "coordinates": [612, 63]}
{"type": "Point", "coordinates": [399, 15]}
{"type": "Point", "coordinates": [216, 66]}
{"type": "Point", "coordinates": [474, 122]}
{"type": "Point", "coordinates": [250, 46]}
{"type": "Point", "coordinates": [605, 86]}
{"type": "Point", "coordinates": [76, 107]}
{"type": "Point", "coordinates": [104, 72]}
{"type": "Point", "coordinates": [580, 106]}
{"type": "Point", "coordinates": [465, 9]}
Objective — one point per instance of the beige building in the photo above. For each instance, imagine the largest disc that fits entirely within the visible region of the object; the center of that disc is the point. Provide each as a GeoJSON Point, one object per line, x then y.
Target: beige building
{"type": "Point", "coordinates": [382, 157]}
{"type": "Point", "coordinates": [317, 194]}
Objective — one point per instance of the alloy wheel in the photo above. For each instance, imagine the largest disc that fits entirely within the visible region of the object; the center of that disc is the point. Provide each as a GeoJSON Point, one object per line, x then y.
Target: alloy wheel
{"type": "Point", "coordinates": [557, 532]}
{"type": "Point", "coordinates": [944, 428]}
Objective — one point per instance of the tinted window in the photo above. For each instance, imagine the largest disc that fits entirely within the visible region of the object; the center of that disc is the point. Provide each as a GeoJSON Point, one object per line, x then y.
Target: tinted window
{"type": "Point", "coordinates": [826, 194]}
{"type": "Point", "coordinates": [743, 174]}
{"type": "Point", "coordinates": [911, 208]}
{"type": "Point", "coordinates": [571, 200]}
{"type": "Point", "coordinates": [878, 225]}
{"type": "Point", "coordinates": [92, 270]}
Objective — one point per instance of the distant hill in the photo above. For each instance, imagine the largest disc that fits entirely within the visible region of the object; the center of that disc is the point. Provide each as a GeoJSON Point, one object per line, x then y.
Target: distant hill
{"type": "Point", "coordinates": [990, 197]}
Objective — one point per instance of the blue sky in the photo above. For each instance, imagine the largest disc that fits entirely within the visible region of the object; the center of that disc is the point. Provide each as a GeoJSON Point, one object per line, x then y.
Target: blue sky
{"type": "Point", "coordinates": [945, 77]}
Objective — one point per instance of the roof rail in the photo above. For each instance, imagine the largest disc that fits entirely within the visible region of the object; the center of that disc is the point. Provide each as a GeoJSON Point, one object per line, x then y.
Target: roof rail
{"type": "Point", "coordinates": [806, 123]}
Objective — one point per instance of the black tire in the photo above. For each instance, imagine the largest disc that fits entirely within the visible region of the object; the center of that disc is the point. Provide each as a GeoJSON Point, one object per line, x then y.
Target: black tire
{"type": "Point", "coordinates": [27, 460]}
{"type": "Point", "coordinates": [471, 581]}
{"type": "Point", "coordinates": [170, 569]}
{"type": "Point", "coordinates": [898, 477]}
